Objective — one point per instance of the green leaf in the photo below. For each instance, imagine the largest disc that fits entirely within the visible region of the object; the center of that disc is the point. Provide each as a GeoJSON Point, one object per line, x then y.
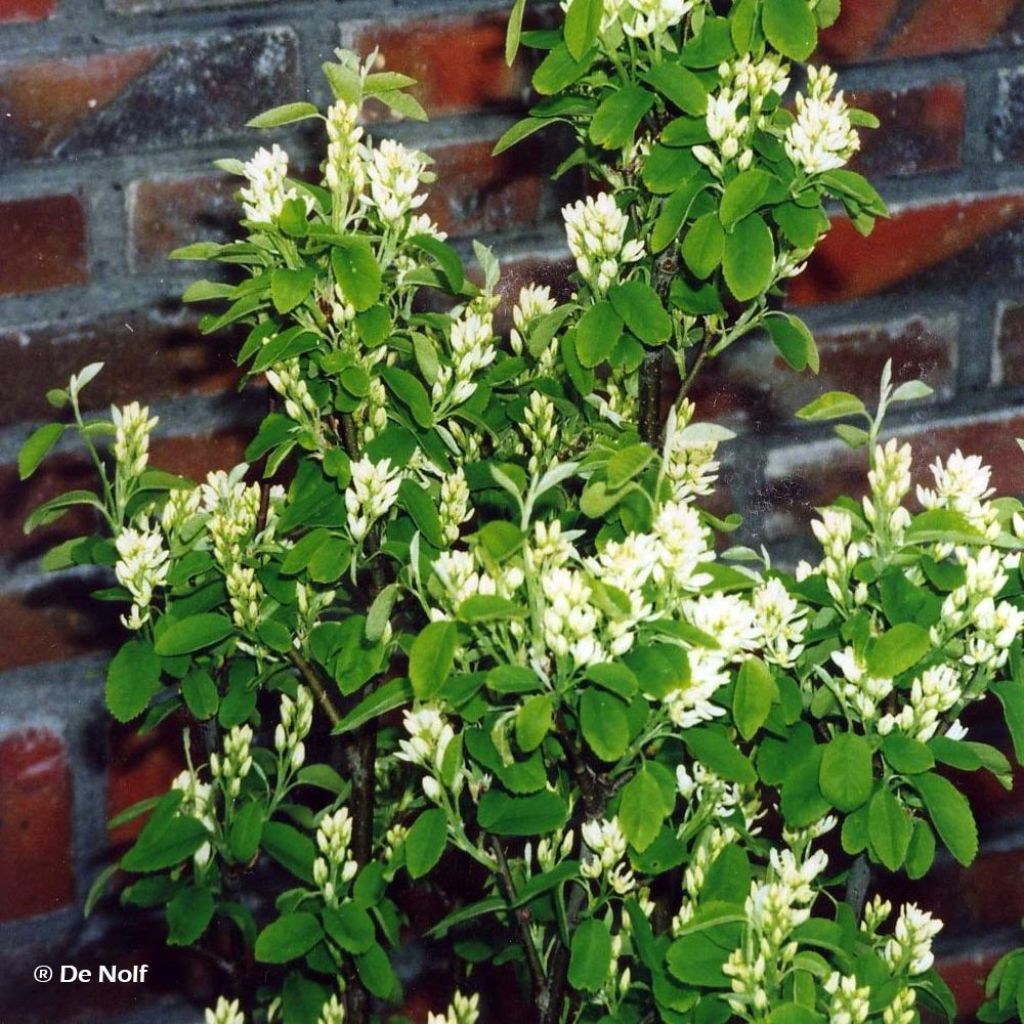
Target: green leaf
{"type": "Point", "coordinates": [36, 448]}
{"type": "Point", "coordinates": [1011, 696]}
{"type": "Point", "coordinates": [98, 889]}
{"type": "Point", "coordinates": [350, 926]}
{"type": "Point", "coordinates": [832, 405]}
{"type": "Point", "coordinates": [302, 1000]}
{"type": "Point", "coordinates": [447, 259]}
{"type": "Point", "coordinates": [166, 839]}
{"type": "Point", "coordinates": [193, 634]}
{"type": "Point", "coordinates": [897, 650]}
{"type": "Point", "coordinates": [560, 69]}
{"type": "Point", "coordinates": [520, 130]}
{"type": "Point", "coordinates": [905, 755]}
{"type": "Point", "coordinates": [599, 329]}
{"type": "Point", "coordinates": [425, 842]}
{"type": "Point", "coordinates": [289, 288]}
{"type": "Point", "coordinates": [951, 814]}
{"type": "Point", "coordinates": [749, 259]}
{"type": "Point", "coordinates": [290, 848]}
{"type": "Point", "coordinates": [411, 393]}
{"type": "Point", "coordinates": [627, 463]}
{"type": "Point", "coordinates": [431, 658]}
{"type": "Point", "coordinates": [394, 694]}
{"type": "Point", "coordinates": [418, 503]}
{"type": "Point", "coordinates": [533, 722]}
{"type": "Point", "coordinates": [704, 245]}
{"type": "Point", "coordinates": [680, 85]}
{"type": "Point", "coordinates": [246, 831]}
{"type": "Point", "coordinates": [673, 212]}
{"type": "Point", "coordinates": [133, 677]}
{"type": "Point", "coordinates": [845, 776]}
{"type": "Point", "coordinates": [753, 697]}
{"type": "Point", "coordinates": [889, 828]}
{"type": "Point", "coordinates": [289, 113]}
{"type": "Point", "coordinates": [533, 815]}
{"type": "Point", "coordinates": [604, 724]}
{"type": "Point", "coordinates": [794, 341]}
{"type": "Point", "coordinates": [590, 959]}
{"type": "Point", "coordinates": [697, 959]}
{"type": "Point", "coordinates": [746, 193]}
{"type": "Point", "coordinates": [376, 973]}
{"type": "Point", "coordinates": [642, 809]}
{"type": "Point", "coordinates": [790, 28]}
{"type": "Point", "coordinates": [615, 121]}
{"type": "Point", "coordinates": [188, 915]}
{"type": "Point", "coordinates": [638, 304]}
{"type": "Point", "coordinates": [288, 938]}
{"type": "Point", "coordinates": [794, 1013]}
{"type": "Point", "coordinates": [357, 272]}
{"type": "Point", "coordinates": [713, 748]}
{"type": "Point", "coordinates": [514, 31]}
{"type": "Point", "coordinates": [582, 23]}
{"type": "Point", "coordinates": [921, 852]}
{"type": "Point", "coordinates": [199, 692]}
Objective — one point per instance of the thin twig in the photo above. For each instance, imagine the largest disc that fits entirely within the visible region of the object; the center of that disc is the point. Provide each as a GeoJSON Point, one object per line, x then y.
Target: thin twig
{"type": "Point", "coordinates": [316, 684]}
{"type": "Point", "coordinates": [521, 915]}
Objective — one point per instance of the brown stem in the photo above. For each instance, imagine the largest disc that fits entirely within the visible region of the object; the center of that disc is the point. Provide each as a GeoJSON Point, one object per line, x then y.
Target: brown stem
{"type": "Point", "coordinates": [857, 884]}
{"type": "Point", "coordinates": [521, 914]}
{"type": "Point", "coordinates": [316, 684]}
{"type": "Point", "coordinates": [590, 789]}
{"type": "Point", "coordinates": [666, 266]}
{"type": "Point", "coordinates": [553, 995]}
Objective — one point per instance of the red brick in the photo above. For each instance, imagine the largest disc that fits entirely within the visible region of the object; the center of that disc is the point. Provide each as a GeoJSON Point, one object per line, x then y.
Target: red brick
{"type": "Point", "coordinates": [150, 97]}
{"type": "Point", "coordinates": [914, 240]}
{"type": "Point", "coordinates": [26, 10]}
{"type": "Point", "coordinates": [43, 242]}
{"type": "Point", "coordinates": [139, 767]}
{"type": "Point", "coordinates": [36, 869]}
{"type": "Point", "coordinates": [459, 63]}
{"type": "Point", "coordinates": [751, 385]}
{"type": "Point", "coordinates": [1010, 343]}
{"type": "Point", "coordinates": [148, 354]}
{"type": "Point", "coordinates": [885, 29]}
{"type": "Point", "coordinates": [1005, 128]}
{"type": "Point", "coordinates": [52, 623]}
{"type": "Point", "coordinates": [801, 478]}
{"type": "Point", "coordinates": [922, 129]}
{"type": "Point", "coordinates": [966, 975]}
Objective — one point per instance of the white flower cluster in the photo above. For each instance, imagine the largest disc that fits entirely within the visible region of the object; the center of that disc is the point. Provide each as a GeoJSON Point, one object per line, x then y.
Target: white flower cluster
{"type": "Point", "coordinates": [296, 721]}
{"type": "Point", "coordinates": [607, 845]}
{"type": "Point", "coordinates": [454, 508]}
{"type": "Point", "coordinates": [394, 173]}
{"type": "Point", "coordinates": [371, 494]}
{"type": "Point", "coordinates": [267, 192]}
{"type": "Point", "coordinates": [344, 169]}
{"type": "Point", "coordinates": [936, 691]}
{"type": "Point", "coordinates": [287, 380]}
{"type": "Point", "coordinates": [225, 1012]}
{"type": "Point", "coordinates": [429, 738]}
{"type": "Point", "coordinates": [962, 485]}
{"type": "Point", "coordinates": [197, 802]}
{"type": "Point", "coordinates": [335, 866]}
{"type": "Point", "coordinates": [142, 566]}
{"type": "Point", "coordinates": [473, 349]}
{"type": "Point", "coordinates": [333, 1011]}
{"type": "Point", "coordinates": [534, 302]}
{"type": "Point", "coordinates": [711, 842]}
{"type": "Point", "coordinates": [132, 425]}
{"type": "Point", "coordinates": [539, 430]}
{"type": "Point", "coordinates": [231, 768]}
{"type": "Point", "coordinates": [232, 508]}
{"type": "Point", "coordinates": [462, 1010]}
{"type": "Point", "coordinates": [644, 18]}
{"type": "Point", "coordinates": [774, 908]}
{"type": "Point", "coordinates": [596, 231]}
{"type": "Point", "coordinates": [688, 456]}
{"type": "Point", "coordinates": [245, 594]}
{"type": "Point", "coordinates": [850, 1003]}
{"type": "Point", "coordinates": [889, 482]}
{"type": "Point", "coordinates": [822, 138]}
{"type": "Point", "coordinates": [910, 948]}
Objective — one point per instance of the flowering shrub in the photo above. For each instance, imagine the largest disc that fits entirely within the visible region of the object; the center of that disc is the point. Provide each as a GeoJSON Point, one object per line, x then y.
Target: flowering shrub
{"type": "Point", "coordinates": [464, 606]}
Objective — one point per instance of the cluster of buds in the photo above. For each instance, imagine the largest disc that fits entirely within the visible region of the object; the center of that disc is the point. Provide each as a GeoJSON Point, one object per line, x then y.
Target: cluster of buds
{"type": "Point", "coordinates": [860, 691]}
{"type": "Point", "coordinates": [296, 721]}
{"type": "Point", "coordinates": [344, 169]}
{"type": "Point", "coordinates": [889, 480]}
{"type": "Point", "coordinates": [619, 403]}
{"type": "Point", "coordinates": [642, 19]}
{"type": "Point", "coordinates": [936, 691]}
{"type": "Point", "coordinates": [394, 173]}
{"type": "Point", "coordinates": [962, 485]}
{"type": "Point", "coordinates": [688, 459]}
{"type": "Point", "coordinates": [231, 768]}
{"type": "Point", "coordinates": [539, 430]}
{"type": "Point", "coordinates": [473, 350]}
{"type": "Point", "coordinates": [822, 138]}
{"type": "Point", "coordinates": [333, 1011]}
{"type": "Point", "coordinates": [454, 508]}
{"type": "Point", "coordinates": [910, 948]}
{"type": "Point", "coordinates": [460, 577]}
{"type": "Point", "coordinates": [596, 232]}
{"type": "Point", "coordinates": [370, 495]}
{"type": "Point", "coordinates": [606, 844]}
{"type": "Point", "coordinates": [534, 302]}
{"type": "Point", "coordinates": [287, 380]}
{"type": "Point", "coordinates": [267, 192]}
{"type": "Point", "coordinates": [901, 1009]}
{"type": "Point", "coordinates": [372, 415]}
{"type": "Point", "coordinates": [570, 620]}
{"type": "Point", "coordinates": [232, 507]}
{"type": "Point", "coordinates": [782, 620]}
{"type": "Point", "coordinates": [180, 516]}
{"type": "Point", "coordinates": [245, 594]}
{"type": "Point", "coordinates": [834, 532]}
{"type": "Point", "coordinates": [849, 1002]}
{"type": "Point", "coordinates": [142, 566]}
{"type": "Point", "coordinates": [197, 802]}
{"type": "Point", "coordinates": [554, 848]}
{"type": "Point", "coordinates": [706, 850]}
{"type": "Point", "coordinates": [132, 426]}
{"type": "Point", "coordinates": [729, 131]}
{"type": "Point", "coordinates": [756, 81]}
{"type": "Point", "coordinates": [335, 865]}
{"type": "Point", "coordinates": [429, 738]}
{"type": "Point", "coordinates": [225, 1012]}
{"type": "Point", "coordinates": [393, 840]}
{"type": "Point", "coordinates": [462, 1010]}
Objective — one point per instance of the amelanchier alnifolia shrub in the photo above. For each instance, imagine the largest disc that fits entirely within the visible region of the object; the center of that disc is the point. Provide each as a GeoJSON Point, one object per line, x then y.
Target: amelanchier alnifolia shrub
{"type": "Point", "coordinates": [463, 604]}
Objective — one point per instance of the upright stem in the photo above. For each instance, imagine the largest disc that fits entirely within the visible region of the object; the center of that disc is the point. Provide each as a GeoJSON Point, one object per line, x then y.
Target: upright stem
{"type": "Point", "coordinates": [857, 884]}
{"type": "Point", "coordinates": [521, 915]}
{"type": "Point", "coordinates": [666, 266]}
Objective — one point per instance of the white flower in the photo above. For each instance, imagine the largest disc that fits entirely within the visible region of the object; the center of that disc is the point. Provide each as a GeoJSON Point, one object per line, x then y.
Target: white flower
{"type": "Point", "coordinates": [345, 170]}
{"type": "Point", "coordinates": [683, 543]}
{"type": "Point", "coordinates": [463, 1010]}
{"type": "Point", "coordinates": [606, 841]}
{"type": "Point", "coordinates": [142, 566]}
{"type": "Point", "coordinates": [729, 619]}
{"type": "Point", "coordinates": [266, 195]}
{"type": "Point", "coordinates": [822, 138]}
{"type": "Point", "coordinates": [225, 1012]}
{"type": "Point", "coordinates": [370, 495]}
{"type": "Point", "coordinates": [596, 232]}
{"type": "Point", "coordinates": [910, 947]}
{"type": "Point", "coordinates": [133, 426]}
{"type": "Point", "coordinates": [333, 1011]}
{"type": "Point", "coordinates": [454, 508]}
{"type": "Point", "coordinates": [395, 173]}
{"type": "Point", "coordinates": [648, 17]}
{"type": "Point", "coordinates": [850, 1003]}
{"type": "Point", "coordinates": [782, 621]}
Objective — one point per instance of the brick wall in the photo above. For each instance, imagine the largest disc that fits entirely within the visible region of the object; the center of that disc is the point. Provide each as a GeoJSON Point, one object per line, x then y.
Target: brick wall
{"type": "Point", "coordinates": [110, 114]}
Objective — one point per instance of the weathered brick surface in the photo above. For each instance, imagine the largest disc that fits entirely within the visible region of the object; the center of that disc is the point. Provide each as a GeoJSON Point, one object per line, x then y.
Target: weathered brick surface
{"type": "Point", "coordinates": [152, 353]}
{"type": "Point", "coordinates": [26, 10]}
{"type": "Point", "coordinates": [43, 242]}
{"type": "Point", "coordinates": [458, 62]}
{"type": "Point", "coordinates": [1010, 344]}
{"type": "Point", "coordinates": [36, 874]}
{"type": "Point", "coordinates": [151, 97]}
{"type": "Point", "coordinates": [1006, 128]}
{"type": "Point", "coordinates": [922, 129]}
